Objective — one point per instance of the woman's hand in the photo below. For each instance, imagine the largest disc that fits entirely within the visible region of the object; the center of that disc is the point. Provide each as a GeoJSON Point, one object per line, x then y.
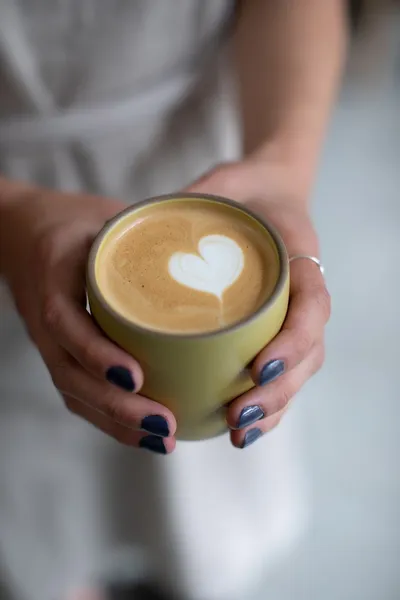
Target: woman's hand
{"type": "Point", "coordinates": [45, 237]}
{"type": "Point", "coordinates": [276, 192]}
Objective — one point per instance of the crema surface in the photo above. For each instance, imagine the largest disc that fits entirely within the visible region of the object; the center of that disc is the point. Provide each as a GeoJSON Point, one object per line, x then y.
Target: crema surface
{"type": "Point", "coordinates": [187, 266]}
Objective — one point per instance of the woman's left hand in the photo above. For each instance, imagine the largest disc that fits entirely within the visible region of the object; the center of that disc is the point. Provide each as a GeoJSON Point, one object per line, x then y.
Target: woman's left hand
{"type": "Point", "coordinates": [284, 365]}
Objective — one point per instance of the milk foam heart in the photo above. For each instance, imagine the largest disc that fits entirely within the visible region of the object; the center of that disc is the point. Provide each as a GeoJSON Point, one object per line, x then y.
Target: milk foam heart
{"type": "Point", "coordinates": [220, 263]}
{"type": "Point", "coordinates": [147, 277]}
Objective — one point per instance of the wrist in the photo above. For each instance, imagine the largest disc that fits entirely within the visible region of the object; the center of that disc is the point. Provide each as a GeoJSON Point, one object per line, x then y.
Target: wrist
{"type": "Point", "coordinates": [11, 195]}
{"type": "Point", "coordinates": [12, 191]}
{"type": "Point", "coordinates": [277, 170]}
{"type": "Point", "coordinates": [293, 154]}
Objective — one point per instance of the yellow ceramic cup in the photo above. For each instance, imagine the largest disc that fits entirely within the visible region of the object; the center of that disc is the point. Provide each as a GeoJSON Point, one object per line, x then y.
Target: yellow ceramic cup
{"type": "Point", "coordinates": [194, 375]}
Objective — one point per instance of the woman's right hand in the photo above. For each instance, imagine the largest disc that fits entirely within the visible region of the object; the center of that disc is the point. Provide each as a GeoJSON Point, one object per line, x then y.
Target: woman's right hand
{"type": "Point", "coordinates": [45, 238]}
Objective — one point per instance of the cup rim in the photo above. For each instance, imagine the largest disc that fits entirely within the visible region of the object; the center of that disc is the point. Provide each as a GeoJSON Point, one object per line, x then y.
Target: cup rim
{"type": "Point", "coordinates": [108, 226]}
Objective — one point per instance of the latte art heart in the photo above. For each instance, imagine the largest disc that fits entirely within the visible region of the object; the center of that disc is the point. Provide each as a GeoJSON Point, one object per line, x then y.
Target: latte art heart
{"type": "Point", "coordinates": [191, 266]}
{"type": "Point", "coordinates": [219, 264]}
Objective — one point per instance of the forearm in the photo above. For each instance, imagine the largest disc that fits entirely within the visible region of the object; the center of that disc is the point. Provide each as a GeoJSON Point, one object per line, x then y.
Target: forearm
{"type": "Point", "coordinates": [289, 56]}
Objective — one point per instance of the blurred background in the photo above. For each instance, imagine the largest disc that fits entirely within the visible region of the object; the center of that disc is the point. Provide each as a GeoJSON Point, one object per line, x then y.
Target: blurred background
{"type": "Point", "coordinates": [351, 410]}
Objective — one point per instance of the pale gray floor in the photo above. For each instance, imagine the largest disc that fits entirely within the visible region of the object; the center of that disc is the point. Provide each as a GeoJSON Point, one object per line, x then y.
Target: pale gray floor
{"type": "Point", "coordinates": [351, 411]}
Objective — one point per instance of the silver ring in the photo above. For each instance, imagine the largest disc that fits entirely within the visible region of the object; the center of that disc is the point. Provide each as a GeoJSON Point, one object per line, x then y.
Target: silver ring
{"type": "Point", "coordinates": [313, 258]}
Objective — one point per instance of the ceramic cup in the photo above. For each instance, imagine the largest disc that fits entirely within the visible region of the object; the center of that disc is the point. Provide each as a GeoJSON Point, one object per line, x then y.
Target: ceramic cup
{"type": "Point", "coordinates": [194, 375]}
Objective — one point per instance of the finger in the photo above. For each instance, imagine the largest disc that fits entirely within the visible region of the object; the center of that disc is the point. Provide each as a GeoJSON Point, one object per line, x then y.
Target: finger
{"type": "Point", "coordinates": [261, 403]}
{"type": "Point", "coordinates": [68, 323]}
{"type": "Point", "coordinates": [243, 439]}
{"type": "Point", "coordinates": [309, 310]}
{"type": "Point", "coordinates": [130, 410]}
{"type": "Point", "coordinates": [119, 432]}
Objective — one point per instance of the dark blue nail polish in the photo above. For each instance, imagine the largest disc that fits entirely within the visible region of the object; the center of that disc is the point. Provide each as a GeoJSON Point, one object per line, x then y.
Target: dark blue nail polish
{"type": "Point", "coordinates": [121, 377]}
{"type": "Point", "coordinates": [271, 371]}
{"type": "Point", "coordinates": [153, 443]}
{"type": "Point", "coordinates": [251, 436]}
{"type": "Point", "coordinates": [156, 424]}
{"type": "Point", "coordinates": [249, 415]}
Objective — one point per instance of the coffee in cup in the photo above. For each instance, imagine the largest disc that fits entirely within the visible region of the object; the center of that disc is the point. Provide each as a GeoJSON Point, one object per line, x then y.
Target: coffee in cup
{"type": "Point", "coordinates": [188, 267]}
{"type": "Point", "coordinates": [193, 287]}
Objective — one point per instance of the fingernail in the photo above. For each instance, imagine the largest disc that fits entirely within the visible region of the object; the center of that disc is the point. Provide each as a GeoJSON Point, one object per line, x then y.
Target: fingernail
{"type": "Point", "coordinates": [271, 371]}
{"type": "Point", "coordinates": [156, 424]}
{"type": "Point", "coordinates": [121, 377]}
{"type": "Point", "coordinates": [251, 436]}
{"type": "Point", "coordinates": [249, 415]}
{"type": "Point", "coordinates": [153, 443]}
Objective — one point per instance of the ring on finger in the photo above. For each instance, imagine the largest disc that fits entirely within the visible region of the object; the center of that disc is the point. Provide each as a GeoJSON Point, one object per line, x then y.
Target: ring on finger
{"type": "Point", "coordinates": [314, 259]}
